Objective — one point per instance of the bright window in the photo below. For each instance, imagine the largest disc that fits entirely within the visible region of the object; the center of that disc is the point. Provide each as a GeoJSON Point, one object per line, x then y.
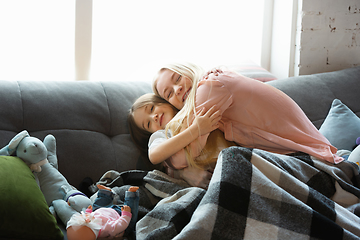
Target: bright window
{"type": "Point", "coordinates": [37, 39]}
{"type": "Point", "coordinates": [131, 39]}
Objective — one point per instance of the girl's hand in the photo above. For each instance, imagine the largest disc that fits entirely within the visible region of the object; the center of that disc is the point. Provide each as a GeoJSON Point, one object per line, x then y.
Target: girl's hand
{"type": "Point", "coordinates": [207, 122]}
{"type": "Point", "coordinates": [215, 71]}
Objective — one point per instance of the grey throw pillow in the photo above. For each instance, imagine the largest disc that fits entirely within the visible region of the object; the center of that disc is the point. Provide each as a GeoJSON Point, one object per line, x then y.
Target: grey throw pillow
{"type": "Point", "coordinates": [341, 126]}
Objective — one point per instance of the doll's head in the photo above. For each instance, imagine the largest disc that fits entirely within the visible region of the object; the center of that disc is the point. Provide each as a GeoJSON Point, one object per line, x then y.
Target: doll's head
{"type": "Point", "coordinates": [83, 226]}
{"type": "Point", "coordinates": [80, 233]}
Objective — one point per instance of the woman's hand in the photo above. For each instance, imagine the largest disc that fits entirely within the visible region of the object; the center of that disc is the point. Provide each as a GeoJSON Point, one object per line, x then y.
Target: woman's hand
{"type": "Point", "coordinates": [207, 122]}
{"type": "Point", "coordinates": [215, 71]}
{"type": "Point", "coordinates": [195, 177]}
{"type": "Point", "coordinates": [204, 123]}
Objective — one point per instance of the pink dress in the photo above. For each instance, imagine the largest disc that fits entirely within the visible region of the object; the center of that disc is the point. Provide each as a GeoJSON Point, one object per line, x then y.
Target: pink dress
{"type": "Point", "coordinates": [257, 115]}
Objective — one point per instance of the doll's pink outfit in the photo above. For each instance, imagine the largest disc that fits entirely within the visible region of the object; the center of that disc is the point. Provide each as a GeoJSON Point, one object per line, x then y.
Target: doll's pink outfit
{"type": "Point", "coordinates": [257, 115]}
{"type": "Point", "coordinates": [113, 225]}
{"type": "Point", "coordinates": [104, 222]}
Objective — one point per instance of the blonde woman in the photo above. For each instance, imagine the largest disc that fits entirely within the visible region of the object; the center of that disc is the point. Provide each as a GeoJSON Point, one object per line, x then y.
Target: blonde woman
{"type": "Point", "coordinates": [254, 114]}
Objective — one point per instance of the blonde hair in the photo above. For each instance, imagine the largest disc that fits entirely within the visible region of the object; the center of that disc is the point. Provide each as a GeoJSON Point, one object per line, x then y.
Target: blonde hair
{"type": "Point", "coordinates": [215, 143]}
{"type": "Point", "coordinates": [182, 118]}
{"type": "Point", "coordinates": [140, 136]}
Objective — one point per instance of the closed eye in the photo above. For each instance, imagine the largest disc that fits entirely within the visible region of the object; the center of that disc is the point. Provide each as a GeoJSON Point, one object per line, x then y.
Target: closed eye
{"type": "Point", "coordinates": [169, 95]}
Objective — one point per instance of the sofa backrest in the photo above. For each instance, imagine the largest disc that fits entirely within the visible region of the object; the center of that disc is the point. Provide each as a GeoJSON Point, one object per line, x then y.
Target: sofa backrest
{"type": "Point", "coordinates": [315, 93]}
{"type": "Point", "coordinates": [88, 120]}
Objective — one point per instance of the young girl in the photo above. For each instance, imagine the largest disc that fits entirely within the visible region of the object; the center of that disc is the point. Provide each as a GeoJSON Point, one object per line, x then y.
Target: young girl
{"type": "Point", "coordinates": [254, 114]}
{"type": "Point", "coordinates": [150, 114]}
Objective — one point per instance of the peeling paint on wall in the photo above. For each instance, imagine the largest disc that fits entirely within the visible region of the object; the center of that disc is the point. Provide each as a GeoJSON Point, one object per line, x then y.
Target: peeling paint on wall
{"type": "Point", "coordinates": [332, 29]}
{"type": "Point", "coordinates": [329, 35]}
{"type": "Point", "coordinates": [327, 57]}
{"type": "Point", "coordinates": [354, 9]}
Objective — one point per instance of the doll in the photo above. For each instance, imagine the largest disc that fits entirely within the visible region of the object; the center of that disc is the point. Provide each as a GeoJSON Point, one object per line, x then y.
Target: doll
{"type": "Point", "coordinates": [355, 154]}
{"type": "Point", "coordinates": [104, 219]}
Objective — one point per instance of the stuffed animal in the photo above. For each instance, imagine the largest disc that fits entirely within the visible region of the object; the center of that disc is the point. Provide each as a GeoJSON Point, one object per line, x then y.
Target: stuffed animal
{"type": "Point", "coordinates": [31, 150]}
{"type": "Point", "coordinates": [42, 160]}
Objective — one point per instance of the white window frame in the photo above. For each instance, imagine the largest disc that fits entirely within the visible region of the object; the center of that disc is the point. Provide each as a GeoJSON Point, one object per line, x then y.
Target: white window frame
{"type": "Point", "coordinates": [83, 38]}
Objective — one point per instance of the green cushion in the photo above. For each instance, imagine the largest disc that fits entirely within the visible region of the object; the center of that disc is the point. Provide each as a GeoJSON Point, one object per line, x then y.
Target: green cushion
{"type": "Point", "coordinates": [24, 213]}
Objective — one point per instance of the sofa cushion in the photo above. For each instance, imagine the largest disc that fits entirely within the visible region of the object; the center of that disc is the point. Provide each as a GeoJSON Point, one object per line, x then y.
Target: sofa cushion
{"type": "Point", "coordinates": [341, 126]}
{"type": "Point", "coordinates": [24, 213]}
{"type": "Point", "coordinates": [253, 70]}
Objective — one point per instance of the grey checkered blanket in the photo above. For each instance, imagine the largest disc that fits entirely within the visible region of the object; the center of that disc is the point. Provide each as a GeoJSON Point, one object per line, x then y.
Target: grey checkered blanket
{"type": "Point", "coordinates": [253, 194]}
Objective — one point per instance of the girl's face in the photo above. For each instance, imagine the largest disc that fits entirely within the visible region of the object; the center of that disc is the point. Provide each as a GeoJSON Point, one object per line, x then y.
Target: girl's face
{"type": "Point", "coordinates": [173, 87]}
{"type": "Point", "coordinates": [153, 117]}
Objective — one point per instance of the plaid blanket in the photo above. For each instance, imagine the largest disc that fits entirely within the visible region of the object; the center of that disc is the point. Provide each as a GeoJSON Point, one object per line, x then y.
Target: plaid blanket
{"type": "Point", "coordinates": [253, 194]}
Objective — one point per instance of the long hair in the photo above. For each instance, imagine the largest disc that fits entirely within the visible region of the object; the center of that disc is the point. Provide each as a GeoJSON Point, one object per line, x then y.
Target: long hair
{"type": "Point", "coordinates": [140, 136]}
{"type": "Point", "coordinates": [182, 118]}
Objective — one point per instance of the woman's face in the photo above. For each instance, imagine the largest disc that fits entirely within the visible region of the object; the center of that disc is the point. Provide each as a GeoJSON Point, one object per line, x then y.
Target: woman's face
{"type": "Point", "coordinates": [173, 87]}
{"type": "Point", "coordinates": [153, 117]}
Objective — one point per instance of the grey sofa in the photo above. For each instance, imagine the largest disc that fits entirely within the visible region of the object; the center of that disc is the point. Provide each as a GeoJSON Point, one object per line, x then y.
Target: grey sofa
{"type": "Point", "coordinates": [88, 119]}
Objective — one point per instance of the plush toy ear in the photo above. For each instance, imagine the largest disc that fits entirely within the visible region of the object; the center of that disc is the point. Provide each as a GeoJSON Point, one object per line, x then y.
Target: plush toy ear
{"type": "Point", "coordinates": [50, 144]}
{"type": "Point", "coordinates": [14, 143]}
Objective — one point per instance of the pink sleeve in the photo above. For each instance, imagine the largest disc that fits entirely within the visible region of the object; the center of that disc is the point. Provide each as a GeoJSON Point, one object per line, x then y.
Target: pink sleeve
{"type": "Point", "coordinates": [178, 160]}
{"type": "Point", "coordinates": [197, 145]}
{"type": "Point", "coordinates": [115, 227]}
{"type": "Point", "coordinates": [210, 93]}
{"type": "Point", "coordinates": [125, 213]}
{"type": "Point", "coordinates": [213, 92]}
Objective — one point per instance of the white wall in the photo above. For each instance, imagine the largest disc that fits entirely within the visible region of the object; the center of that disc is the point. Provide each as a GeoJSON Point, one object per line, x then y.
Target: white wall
{"type": "Point", "coordinates": [328, 36]}
{"type": "Point", "coordinates": [313, 36]}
